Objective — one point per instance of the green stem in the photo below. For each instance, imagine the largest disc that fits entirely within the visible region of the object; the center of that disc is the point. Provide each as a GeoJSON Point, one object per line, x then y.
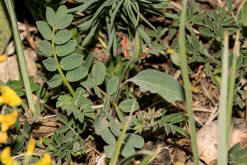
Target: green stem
{"type": "Point", "coordinates": [232, 82]}
{"type": "Point", "coordinates": [58, 65]}
{"type": "Point", "coordinates": [120, 140]}
{"type": "Point", "coordinates": [222, 123]}
{"type": "Point", "coordinates": [185, 76]}
{"type": "Point", "coordinates": [120, 81]}
{"type": "Point", "coordinates": [20, 55]}
{"type": "Point", "coordinates": [117, 108]}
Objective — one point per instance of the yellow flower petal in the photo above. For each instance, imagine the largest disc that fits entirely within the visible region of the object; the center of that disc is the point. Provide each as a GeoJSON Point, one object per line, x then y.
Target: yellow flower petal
{"type": "Point", "coordinates": [3, 58]}
{"type": "Point", "coordinates": [46, 160]}
{"type": "Point", "coordinates": [8, 120]}
{"type": "Point", "coordinates": [30, 147]}
{"type": "Point", "coordinates": [6, 158]}
{"type": "Point", "coordinates": [170, 51]}
{"type": "Point", "coordinates": [9, 96]}
{"type": "Point", "coordinates": [3, 137]}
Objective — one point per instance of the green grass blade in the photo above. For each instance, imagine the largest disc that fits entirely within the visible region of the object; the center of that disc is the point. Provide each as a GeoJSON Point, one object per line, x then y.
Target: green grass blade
{"type": "Point", "coordinates": [20, 54]}
{"type": "Point", "coordinates": [222, 123]}
{"type": "Point", "coordinates": [185, 76]}
{"type": "Point", "coordinates": [236, 52]}
{"type": "Point", "coordinates": [120, 140]}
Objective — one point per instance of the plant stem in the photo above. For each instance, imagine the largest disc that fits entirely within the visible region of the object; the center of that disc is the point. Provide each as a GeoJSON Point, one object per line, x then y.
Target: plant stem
{"type": "Point", "coordinates": [58, 65]}
{"type": "Point", "coordinates": [185, 76]}
{"type": "Point", "coordinates": [231, 91]}
{"type": "Point", "coordinates": [120, 140]}
{"type": "Point", "coordinates": [20, 55]}
{"type": "Point", "coordinates": [222, 119]}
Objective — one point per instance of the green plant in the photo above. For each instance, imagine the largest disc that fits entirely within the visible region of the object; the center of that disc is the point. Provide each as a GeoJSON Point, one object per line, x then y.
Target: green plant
{"type": "Point", "coordinates": [185, 76]}
{"type": "Point", "coordinates": [59, 45]}
{"type": "Point", "coordinates": [237, 155]}
{"type": "Point", "coordinates": [116, 15]}
{"type": "Point", "coordinates": [20, 54]}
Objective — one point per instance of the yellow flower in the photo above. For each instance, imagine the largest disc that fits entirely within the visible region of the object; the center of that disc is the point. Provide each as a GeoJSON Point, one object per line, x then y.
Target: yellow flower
{"type": "Point", "coordinates": [8, 120]}
{"type": "Point", "coordinates": [6, 158]}
{"type": "Point", "coordinates": [3, 137]}
{"type": "Point", "coordinates": [9, 96]}
{"type": "Point", "coordinates": [170, 51]}
{"type": "Point", "coordinates": [30, 147]}
{"type": "Point", "coordinates": [46, 160]}
{"type": "Point", "coordinates": [3, 58]}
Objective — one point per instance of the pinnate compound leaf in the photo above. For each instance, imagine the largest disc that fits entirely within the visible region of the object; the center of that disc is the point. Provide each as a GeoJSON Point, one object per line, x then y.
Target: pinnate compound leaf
{"type": "Point", "coordinates": [77, 74]}
{"type": "Point", "coordinates": [71, 62]}
{"type": "Point", "coordinates": [126, 105]}
{"type": "Point", "coordinates": [44, 29]}
{"type": "Point", "coordinates": [99, 73]}
{"type": "Point", "coordinates": [78, 105]}
{"type": "Point", "coordinates": [50, 64]}
{"type": "Point", "coordinates": [112, 85]}
{"type": "Point", "coordinates": [65, 49]}
{"type": "Point", "coordinates": [46, 47]}
{"type": "Point", "coordinates": [62, 36]}
{"type": "Point", "coordinates": [55, 81]}
{"type": "Point", "coordinates": [161, 83]}
{"type": "Point", "coordinates": [59, 20]}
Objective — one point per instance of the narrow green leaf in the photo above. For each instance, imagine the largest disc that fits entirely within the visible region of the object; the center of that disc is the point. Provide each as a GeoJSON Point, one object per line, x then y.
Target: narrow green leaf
{"type": "Point", "coordinates": [243, 15]}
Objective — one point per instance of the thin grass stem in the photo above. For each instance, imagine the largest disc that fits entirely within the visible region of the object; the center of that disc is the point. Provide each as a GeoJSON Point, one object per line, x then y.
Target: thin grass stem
{"type": "Point", "coordinates": [222, 122]}
{"type": "Point", "coordinates": [20, 54]}
{"type": "Point", "coordinates": [236, 53]}
{"type": "Point", "coordinates": [185, 76]}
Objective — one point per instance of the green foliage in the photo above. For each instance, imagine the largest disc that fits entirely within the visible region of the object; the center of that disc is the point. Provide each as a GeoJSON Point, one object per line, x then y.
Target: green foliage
{"type": "Point", "coordinates": [110, 130]}
{"type": "Point", "coordinates": [18, 86]}
{"type": "Point", "coordinates": [114, 15]}
{"type": "Point", "coordinates": [112, 86]}
{"type": "Point", "coordinates": [236, 155]}
{"type": "Point", "coordinates": [169, 123]}
{"type": "Point", "coordinates": [78, 105]}
{"type": "Point", "coordinates": [62, 46]}
{"type": "Point", "coordinates": [126, 105]}
{"type": "Point", "coordinates": [99, 72]}
{"type": "Point", "coordinates": [5, 30]}
{"type": "Point", "coordinates": [161, 83]}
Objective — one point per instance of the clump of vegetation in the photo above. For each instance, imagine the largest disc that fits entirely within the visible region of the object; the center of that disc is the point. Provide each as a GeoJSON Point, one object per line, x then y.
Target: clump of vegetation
{"type": "Point", "coordinates": [115, 74]}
